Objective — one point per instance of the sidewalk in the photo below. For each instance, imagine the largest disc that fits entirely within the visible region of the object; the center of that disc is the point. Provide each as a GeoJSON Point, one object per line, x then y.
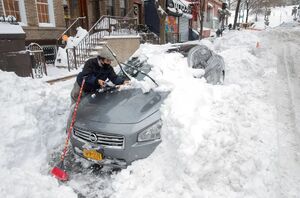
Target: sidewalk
{"type": "Point", "coordinates": [58, 74]}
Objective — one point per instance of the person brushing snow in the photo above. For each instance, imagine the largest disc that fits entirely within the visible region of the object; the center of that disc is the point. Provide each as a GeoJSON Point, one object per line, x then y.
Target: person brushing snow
{"type": "Point", "coordinates": [96, 71]}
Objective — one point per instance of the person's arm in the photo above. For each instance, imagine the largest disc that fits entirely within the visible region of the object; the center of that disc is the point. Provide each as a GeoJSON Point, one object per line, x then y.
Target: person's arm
{"type": "Point", "coordinates": [114, 78]}
{"type": "Point", "coordinates": [91, 81]}
{"type": "Point", "coordinates": [89, 75]}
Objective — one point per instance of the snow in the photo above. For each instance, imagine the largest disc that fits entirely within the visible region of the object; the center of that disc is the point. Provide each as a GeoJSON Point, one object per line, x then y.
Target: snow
{"type": "Point", "coordinates": [278, 16]}
{"type": "Point", "coordinates": [74, 41]}
{"type": "Point", "coordinates": [30, 130]}
{"type": "Point", "coordinates": [240, 139]}
{"type": "Point", "coordinates": [61, 58]}
{"type": "Point", "coordinates": [7, 28]}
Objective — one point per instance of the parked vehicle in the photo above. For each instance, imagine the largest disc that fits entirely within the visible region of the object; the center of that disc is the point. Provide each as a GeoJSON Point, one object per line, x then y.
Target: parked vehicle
{"type": "Point", "coordinates": [115, 127]}
{"type": "Point", "coordinates": [201, 57]}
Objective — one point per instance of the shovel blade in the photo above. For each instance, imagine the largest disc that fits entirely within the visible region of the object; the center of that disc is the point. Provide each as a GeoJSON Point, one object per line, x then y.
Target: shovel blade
{"type": "Point", "coordinates": [60, 174]}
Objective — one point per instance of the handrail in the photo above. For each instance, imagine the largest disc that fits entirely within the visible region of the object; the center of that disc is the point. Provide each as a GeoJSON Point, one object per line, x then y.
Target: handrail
{"type": "Point", "coordinates": [101, 18]}
{"type": "Point", "coordinates": [120, 25]}
{"type": "Point", "coordinates": [70, 27]}
{"type": "Point", "coordinates": [110, 17]}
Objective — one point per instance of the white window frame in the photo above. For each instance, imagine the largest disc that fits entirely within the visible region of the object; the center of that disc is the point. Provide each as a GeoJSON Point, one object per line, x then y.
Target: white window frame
{"type": "Point", "coordinates": [125, 2]}
{"type": "Point", "coordinates": [23, 21]}
{"type": "Point", "coordinates": [51, 15]}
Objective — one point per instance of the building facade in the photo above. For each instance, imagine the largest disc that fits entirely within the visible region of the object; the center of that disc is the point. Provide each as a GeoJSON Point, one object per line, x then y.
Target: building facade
{"type": "Point", "coordinates": [94, 9]}
{"type": "Point", "coordinates": [183, 20]}
{"type": "Point", "coordinates": [212, 9]}
{"type": "Point", "coordinates": [42, 20]}
{"type": "Point", "coordinates": [211, 15]}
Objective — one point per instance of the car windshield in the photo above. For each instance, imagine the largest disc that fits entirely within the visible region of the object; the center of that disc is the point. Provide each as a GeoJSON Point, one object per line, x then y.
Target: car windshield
{"type": "Point", "coordinates": [136, 68]}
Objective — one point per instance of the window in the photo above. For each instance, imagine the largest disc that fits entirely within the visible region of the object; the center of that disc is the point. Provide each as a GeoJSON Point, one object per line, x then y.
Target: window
{"type": "Point", "coordinates": [110, 8]}
{"type": "Point", "coordinates": [12, 8]}
{"type": "Point", "coordinates": [209, 14]}
{"type": "Point", "coordinates": [15, 8]}
{"type": "Point", "coordinates": [123, 7]}
{"type": "Point", "coordinates": [45, 12]}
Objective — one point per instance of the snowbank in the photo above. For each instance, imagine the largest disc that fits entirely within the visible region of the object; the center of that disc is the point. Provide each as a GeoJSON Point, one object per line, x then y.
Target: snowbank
{"type": "Point", "coordinates": [211, 134]}
{"type": "Point", "coordinates": [32, 126]}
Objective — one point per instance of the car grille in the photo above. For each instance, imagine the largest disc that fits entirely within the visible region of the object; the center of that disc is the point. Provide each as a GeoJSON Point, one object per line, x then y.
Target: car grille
{"type": "Point", "coordinates": [105, 140]}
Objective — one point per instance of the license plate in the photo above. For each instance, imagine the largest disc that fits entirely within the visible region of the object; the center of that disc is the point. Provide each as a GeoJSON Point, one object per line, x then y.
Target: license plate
{"type": "Point", "coordinates": [92, 154]}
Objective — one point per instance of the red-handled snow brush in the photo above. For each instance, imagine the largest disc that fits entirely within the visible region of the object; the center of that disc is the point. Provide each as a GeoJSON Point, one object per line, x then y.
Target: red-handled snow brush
{"type": "Point", "coordinates": [59, 170]}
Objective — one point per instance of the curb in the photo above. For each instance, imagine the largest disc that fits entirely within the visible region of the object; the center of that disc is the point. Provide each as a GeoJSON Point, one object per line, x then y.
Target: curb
{"type": "Point", "coordinates": [60, 79]}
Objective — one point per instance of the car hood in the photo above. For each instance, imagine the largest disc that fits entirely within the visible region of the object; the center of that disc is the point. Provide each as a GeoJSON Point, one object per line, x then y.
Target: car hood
{"type": "Point", "coordinates": [125, 106]}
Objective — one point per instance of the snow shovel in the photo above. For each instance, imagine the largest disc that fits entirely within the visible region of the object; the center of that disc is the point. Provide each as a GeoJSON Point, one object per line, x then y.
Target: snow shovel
{"type": "Point", "coordinates": [59, 170]}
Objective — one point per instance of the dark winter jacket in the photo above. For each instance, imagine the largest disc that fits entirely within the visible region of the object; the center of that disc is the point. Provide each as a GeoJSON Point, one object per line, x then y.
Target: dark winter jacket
{"type": "Point", "coordinates": [93, 71]}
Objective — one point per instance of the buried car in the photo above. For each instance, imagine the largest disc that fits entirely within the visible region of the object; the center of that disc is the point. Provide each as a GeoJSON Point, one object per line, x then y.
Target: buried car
{"type": "Point", "coordinates": [116, 127]}
{"type": "Point", "coordinates": [201, 57]}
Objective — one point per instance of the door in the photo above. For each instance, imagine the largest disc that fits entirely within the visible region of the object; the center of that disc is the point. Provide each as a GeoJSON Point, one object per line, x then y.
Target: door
{"type": "Point", "coordinates": [183, 29]}
{"type": "Point", "coordinates": [78, 8]}
{"type": "Point", "coordinates": [151, 17]}
{"type": "Point", "coordinates": [84, 12]}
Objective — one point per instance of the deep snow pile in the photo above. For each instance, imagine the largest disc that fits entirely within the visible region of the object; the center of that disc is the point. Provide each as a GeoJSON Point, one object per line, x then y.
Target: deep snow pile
{"type": "Point", "coordinates": [32, 120]}
{"type": "Point", "coordinates": [218, 141]}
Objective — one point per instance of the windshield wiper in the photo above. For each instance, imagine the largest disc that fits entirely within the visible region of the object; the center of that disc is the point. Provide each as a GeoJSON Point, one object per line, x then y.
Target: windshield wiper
{"type": "Point", "coordinates": [119, 63]}
{"type": "Point", "coordinates": [140, 71]}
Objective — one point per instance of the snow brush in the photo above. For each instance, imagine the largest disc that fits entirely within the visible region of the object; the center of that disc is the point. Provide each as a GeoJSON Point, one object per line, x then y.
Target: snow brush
{"type": "Point", "coordinates": [59, 170]}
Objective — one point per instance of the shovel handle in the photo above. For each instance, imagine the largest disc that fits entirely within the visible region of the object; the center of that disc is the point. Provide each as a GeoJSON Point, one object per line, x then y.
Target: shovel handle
{"type": "Point", "coordinates": [72, 122]}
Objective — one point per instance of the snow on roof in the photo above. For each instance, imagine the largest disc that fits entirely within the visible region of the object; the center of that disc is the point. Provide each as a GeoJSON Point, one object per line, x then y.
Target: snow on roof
{"type": "Point", "coordinates": [7, 28]}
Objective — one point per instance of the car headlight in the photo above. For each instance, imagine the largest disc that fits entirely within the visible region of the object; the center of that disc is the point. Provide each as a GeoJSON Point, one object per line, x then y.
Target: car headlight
{"type": "Point", "coordinates": [150, 133]}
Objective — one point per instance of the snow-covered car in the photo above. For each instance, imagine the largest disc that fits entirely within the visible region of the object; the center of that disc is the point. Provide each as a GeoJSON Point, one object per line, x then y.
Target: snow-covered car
{"type": "Point", "coordinates": [116, 127]}
{"type": "Point", "coordinates": [201, 57]}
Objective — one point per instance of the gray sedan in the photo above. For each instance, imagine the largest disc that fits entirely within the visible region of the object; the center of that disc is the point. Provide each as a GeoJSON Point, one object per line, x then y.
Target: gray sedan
{"type": "Point", "coordinates": [115, 127]}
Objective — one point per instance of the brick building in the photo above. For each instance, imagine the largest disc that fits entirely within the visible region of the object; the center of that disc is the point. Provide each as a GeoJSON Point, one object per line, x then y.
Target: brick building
{"type": "Point", "coordinates": [94, 9]}
{"type": "Point", "coordinates": [212, 13]}
{"type": "Point", "coordinates": [42, 20]}
{"type": "Point", "coordinates": [211, 16]}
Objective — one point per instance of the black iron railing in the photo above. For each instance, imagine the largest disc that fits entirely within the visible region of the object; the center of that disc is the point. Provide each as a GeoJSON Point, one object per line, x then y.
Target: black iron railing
{"type": "Point", "coordinates": [105, 26]}
{"type": "Point", "coordinates": [37, 59]}
{"type": "Point", "coordinates": [71, 30]}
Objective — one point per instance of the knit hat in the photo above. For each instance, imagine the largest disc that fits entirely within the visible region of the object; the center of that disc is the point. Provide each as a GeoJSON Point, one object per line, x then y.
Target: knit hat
{"type": "Point", "coordinates": [105, 53]}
